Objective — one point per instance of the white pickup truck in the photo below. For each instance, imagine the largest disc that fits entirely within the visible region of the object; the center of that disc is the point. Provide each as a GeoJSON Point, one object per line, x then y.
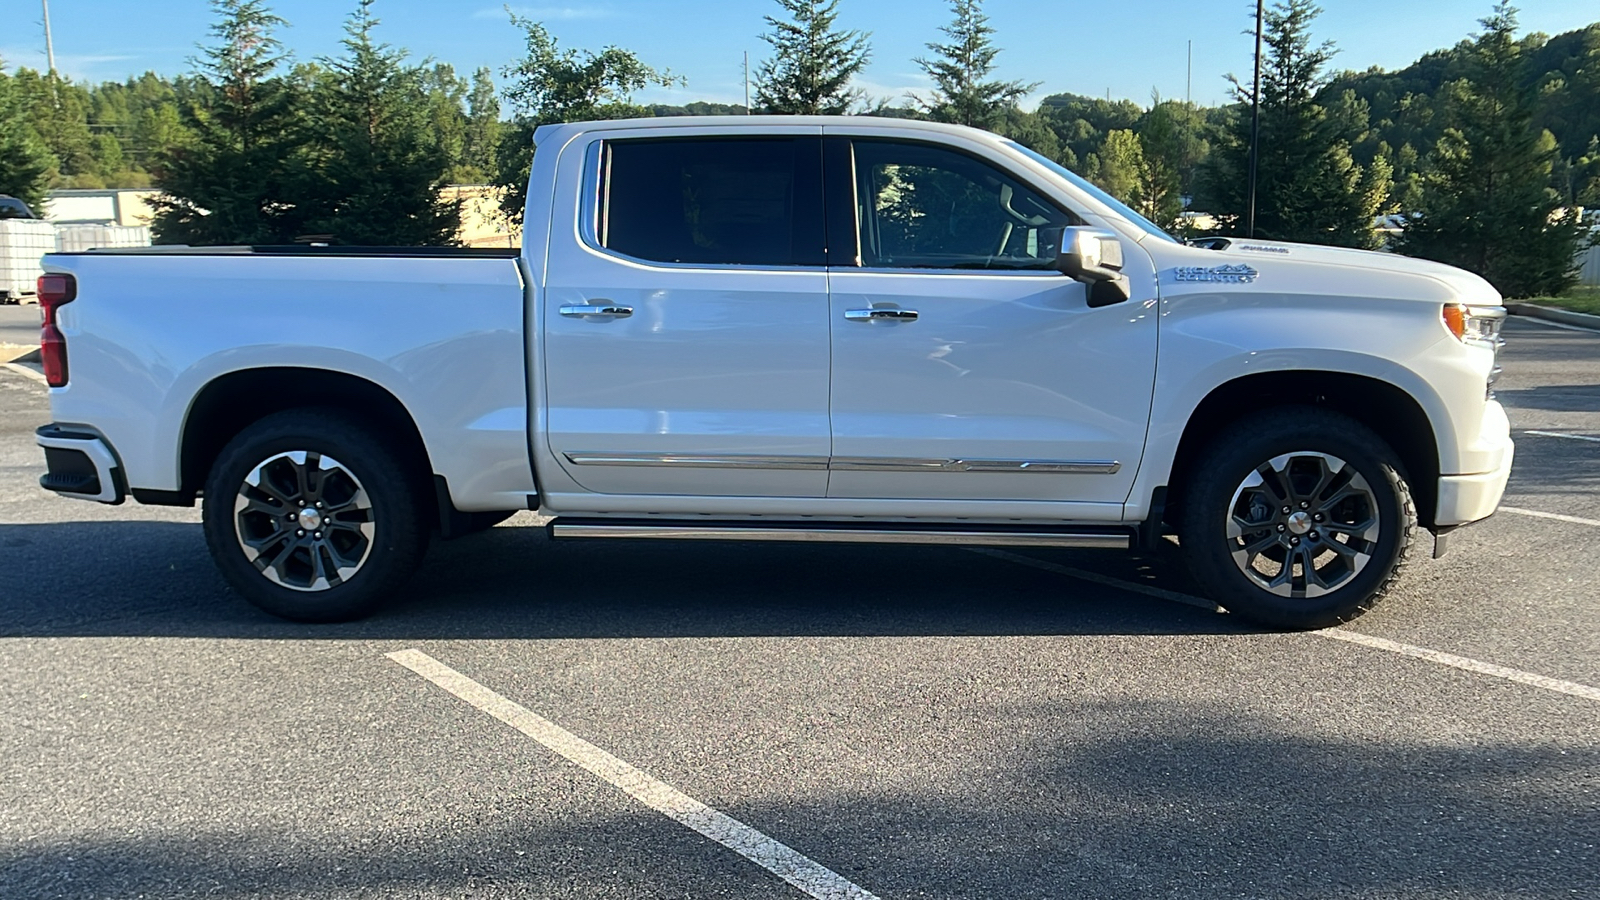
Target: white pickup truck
{"type": "Point", "coordinates": [792, 329]}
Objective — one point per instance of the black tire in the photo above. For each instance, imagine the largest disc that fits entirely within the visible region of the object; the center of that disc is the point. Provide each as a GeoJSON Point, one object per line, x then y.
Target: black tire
{"type": "Point", "coordinates": [1295, 449]}
{"type": "Point", "coordinates": [345, 571]}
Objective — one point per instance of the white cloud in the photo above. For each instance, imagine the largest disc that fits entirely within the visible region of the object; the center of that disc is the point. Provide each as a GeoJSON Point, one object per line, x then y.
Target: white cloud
{"type": "Point", "coordinates": [543, 13]}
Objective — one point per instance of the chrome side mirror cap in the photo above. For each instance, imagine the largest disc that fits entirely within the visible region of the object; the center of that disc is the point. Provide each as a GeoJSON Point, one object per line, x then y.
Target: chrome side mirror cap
{"type": "Point", "coordinates": [1094, 257]}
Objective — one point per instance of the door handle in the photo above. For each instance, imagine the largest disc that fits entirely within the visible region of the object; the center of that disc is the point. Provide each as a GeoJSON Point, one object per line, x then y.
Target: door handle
{"type": "Point", "coordinates": [602, 309]}
{"type": "Point", "coordinates": [892, 314]}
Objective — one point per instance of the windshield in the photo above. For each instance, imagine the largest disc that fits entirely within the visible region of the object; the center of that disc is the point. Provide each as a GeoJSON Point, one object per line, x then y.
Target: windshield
{"type": "Point", "coordinates": [1117, 206]}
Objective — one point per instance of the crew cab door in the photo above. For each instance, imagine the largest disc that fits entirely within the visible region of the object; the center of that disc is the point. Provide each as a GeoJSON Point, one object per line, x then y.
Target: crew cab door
{"type": "Point", "coordinates": [686, 316]}
{"type": "Point", "coordinates": [965, 367]}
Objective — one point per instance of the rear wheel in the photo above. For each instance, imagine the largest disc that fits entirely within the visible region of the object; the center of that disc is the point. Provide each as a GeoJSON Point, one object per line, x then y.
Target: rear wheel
{"type": "Point", "coordinates": [1297, 518]}
{"type": "Point", "coordinates": [310, 517]}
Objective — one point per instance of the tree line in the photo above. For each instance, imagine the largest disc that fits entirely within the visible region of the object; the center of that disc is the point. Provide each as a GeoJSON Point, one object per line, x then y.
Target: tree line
{"type": "Point", "coordinates": [1485, 150]}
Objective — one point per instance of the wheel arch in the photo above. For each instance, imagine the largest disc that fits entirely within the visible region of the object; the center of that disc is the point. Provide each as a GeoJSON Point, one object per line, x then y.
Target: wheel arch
{"type": "Point", "coordinates": [1392, 413]}
{"type": "Point", "coordinates": [231, 402]}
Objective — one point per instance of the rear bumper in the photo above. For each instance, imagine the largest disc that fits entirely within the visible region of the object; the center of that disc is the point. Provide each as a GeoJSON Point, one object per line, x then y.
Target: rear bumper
{"type": "Point", "coordinates": [80, 464]}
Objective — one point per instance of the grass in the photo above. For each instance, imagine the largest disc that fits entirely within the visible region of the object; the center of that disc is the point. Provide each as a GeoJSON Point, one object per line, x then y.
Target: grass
{"type": "Point", "coordinates": [1579, 299]}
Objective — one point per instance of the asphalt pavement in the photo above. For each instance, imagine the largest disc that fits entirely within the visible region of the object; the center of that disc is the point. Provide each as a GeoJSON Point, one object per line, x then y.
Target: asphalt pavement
{"type": "Point", "coordinates": [19, 326]}
{"type": "Point", "coordinates": [922, 722]}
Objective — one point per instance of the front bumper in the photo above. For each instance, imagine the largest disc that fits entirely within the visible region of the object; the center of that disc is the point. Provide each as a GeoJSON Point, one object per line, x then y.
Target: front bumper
{"type": "Point", "coordinates": [1464, 499]}
{"type": "Point", "coordinates": [80, 464]}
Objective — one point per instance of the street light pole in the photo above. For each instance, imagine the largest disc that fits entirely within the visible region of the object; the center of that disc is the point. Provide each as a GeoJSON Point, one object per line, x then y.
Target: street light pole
{"type": "Point", "coordinates": [49, 45]}
{"type": "Point", "coordinates": [1255, 126]}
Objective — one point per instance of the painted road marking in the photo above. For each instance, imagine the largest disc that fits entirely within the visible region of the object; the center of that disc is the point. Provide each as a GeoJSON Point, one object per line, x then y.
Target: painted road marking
{"type": "Point", "coordinates": [30, 373]}
{"type": "Point", "coordinates": [1377, 643]}
{"type": "Point", "coordinates": [1462, 662]}
{"type": "Point", "coordinates": [815, 879]}
{"type": "Point", "coordinates": [1574, 437]}
{"type": "Point", "coordinates": [1556, 516]}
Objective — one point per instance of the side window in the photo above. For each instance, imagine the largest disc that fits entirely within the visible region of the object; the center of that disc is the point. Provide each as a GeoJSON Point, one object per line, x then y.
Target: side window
{"type": "Point", "coordinates": [925, 207]}
{"type": "Point", "coordinates": [714, 201]}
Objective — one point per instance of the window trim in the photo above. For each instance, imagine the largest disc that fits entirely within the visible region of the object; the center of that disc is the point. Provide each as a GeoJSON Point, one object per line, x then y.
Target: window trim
{"type": "Point", "coordinates": [597, 180]}
{"type": "Point", "coordinates": [838, 182]}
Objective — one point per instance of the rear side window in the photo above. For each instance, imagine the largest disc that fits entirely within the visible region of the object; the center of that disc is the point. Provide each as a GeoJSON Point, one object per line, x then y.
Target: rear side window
{"type": "Point", "coordinates": [714, 201]}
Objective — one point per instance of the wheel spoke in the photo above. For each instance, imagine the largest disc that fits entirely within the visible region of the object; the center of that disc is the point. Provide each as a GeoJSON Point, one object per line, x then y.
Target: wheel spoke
{"type": "Point", "coordinates": [318, 558]}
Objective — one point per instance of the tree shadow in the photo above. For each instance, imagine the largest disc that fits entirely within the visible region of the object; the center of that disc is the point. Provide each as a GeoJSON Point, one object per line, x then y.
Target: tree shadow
{"type": "Point", "coordinates": [156, 579]}
{"type": "Point", "coordinates": [1149, 798]}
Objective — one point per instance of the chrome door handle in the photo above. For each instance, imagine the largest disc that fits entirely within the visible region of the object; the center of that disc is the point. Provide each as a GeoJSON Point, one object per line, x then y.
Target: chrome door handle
{"type": "Point", "coordinates": [891, 314]}
{"type": "Point", "coordinates": [600, 310]}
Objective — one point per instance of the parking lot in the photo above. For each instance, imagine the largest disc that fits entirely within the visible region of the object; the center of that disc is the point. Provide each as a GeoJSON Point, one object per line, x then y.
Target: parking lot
{"type": "Point", "coordinates": [657, 720]}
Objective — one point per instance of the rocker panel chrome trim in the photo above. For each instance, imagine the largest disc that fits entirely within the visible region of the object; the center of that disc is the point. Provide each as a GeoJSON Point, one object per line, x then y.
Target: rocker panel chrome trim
{"type": "Point", "coordinates": [1081, 540]}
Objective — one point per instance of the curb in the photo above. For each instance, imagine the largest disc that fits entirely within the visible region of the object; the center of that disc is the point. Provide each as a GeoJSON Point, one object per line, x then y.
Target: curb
{"type": "Point", "coordinates": [18, 353]}
{"type": "Point", "coordinates": [1564, 316]}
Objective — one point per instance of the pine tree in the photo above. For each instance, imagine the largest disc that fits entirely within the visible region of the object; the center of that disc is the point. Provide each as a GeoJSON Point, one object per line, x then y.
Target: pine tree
{"type": "Point", "coordinates": [553, 85]}
{"type": "Point", "coordinates": [383, 169]}
{"type": "Point", "coordinates": [812, 64]}
{"type": "Point", "coordinates": [25, 164]}
{"type": "Point", "coordinates": [961, 95]}
{"type": "Point", "coordinates": [235, 182]}
{"type": "Point", "coordinates": [483, 128]}
{"type": "Point", "coordinates": [1308, 187]}
{"type": "Point", "coordinates": [1487, 201]}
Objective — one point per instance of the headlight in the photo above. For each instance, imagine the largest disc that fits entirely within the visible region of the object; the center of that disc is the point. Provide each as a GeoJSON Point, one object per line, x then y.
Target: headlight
{"type": "Point", "coordinates": [1477, 326]}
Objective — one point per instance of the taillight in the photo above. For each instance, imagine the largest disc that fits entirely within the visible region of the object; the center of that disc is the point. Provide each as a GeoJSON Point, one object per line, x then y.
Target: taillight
{"type": "Point", "coordinates": [55, 291]}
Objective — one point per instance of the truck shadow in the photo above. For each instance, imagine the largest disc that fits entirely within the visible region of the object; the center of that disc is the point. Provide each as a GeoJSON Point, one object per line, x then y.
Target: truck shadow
{"type": "Point", "coordinates": [147, 578]}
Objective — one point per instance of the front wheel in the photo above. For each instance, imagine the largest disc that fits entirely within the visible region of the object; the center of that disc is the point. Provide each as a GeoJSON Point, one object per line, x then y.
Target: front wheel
{"type": "Point", "coordinates": [310, 517]}
{"type": "Point", "coordinates": [1297, 518]}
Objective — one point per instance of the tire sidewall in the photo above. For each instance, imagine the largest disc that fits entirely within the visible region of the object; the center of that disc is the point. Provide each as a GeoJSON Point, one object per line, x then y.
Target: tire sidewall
{"type": "Point", "coordinates": [1229, 463]}
{"type": "Point", "coordinates": [394, 551]}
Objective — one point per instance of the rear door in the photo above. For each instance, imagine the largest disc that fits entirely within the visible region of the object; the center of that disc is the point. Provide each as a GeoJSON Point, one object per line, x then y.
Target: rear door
{"type": "Point", "coordinates": [686, 321]}
{"type": "Point", "coordinates": [965, 366]}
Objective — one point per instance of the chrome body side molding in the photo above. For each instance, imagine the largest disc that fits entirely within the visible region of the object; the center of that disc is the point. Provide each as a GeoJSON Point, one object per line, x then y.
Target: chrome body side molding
{"type": "Point", "coordinates": [844, 463]}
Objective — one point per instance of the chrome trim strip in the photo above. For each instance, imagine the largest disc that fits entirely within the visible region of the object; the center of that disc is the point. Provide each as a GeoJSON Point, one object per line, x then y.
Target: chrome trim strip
{"type": "Point", "coordinates": [846, 536]}
{"type": "Point", "coordinates": [697, 460]}
{"type": "Point", "coordinates": [843, 463]}
{"type": "Point", "coordinates": [906, 464]}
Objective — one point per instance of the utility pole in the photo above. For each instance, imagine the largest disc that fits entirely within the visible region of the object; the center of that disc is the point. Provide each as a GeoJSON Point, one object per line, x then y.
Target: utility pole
{"type": "Point", "coordinates": [1188, 81]}
{"type": "Point", "coordinates": [49, 45]}
{"type": "Point", "coordinates": [1255, 126]}
{"type": "Point", "coordinates": [747, 82]}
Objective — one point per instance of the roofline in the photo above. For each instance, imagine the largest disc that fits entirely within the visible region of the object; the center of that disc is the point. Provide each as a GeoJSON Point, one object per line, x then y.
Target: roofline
{"type": "Point", "coordinates": [563, 132]}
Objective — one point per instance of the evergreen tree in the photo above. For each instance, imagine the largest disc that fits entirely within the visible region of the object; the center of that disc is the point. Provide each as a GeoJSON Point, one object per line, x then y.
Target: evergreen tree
{"type": "Point", "coordinates": [234, 183]}
{"type": "Point", "coordinates": [384, 165]}
{"type": "Point", "coordinates": [1309, 187]}
{"type": "Point", "coordinates": [25, 163]}
{"type": "Point", "coordinates": [553, 85]}
{"type": "Point", "coordinates": [961, 95]}
{"type": "Point", "coordinates": [483, 129]}
{"type": "Point", "coordinates": [810, 70]}
{"type": "Point", "coordinates": [1487, 201]}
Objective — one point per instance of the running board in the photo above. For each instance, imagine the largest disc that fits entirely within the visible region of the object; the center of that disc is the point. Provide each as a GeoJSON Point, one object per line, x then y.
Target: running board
{"type": "Point", "coordinates": [845, 533]}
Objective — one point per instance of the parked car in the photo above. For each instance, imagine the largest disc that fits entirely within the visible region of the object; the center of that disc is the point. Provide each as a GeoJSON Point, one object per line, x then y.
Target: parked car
{"type": "Point", "coordinates": [789, 329]}
{"type": "Point", "coordinates": [12, 208]}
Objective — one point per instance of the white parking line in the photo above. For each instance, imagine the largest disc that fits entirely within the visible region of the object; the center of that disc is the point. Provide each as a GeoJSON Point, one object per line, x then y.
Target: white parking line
{"type": "Point", "coordinates": [1377, 643]}
{"type": "Point", "coordinates": [1573, 437]}
{"type": "Point", "coordinates": [24, 370]}
{"type": "Point", "coordinates": [781, 860]}
{"type": "Point", "coordinates": [1556, 516]}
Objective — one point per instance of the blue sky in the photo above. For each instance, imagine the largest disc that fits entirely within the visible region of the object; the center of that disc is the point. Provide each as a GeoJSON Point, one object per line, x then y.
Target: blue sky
{"type": "Point", "coordinates": [1128, 48]}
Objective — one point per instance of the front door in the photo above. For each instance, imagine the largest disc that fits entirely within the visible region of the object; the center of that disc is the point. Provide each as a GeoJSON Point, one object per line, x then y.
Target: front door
{"type": "Point", "coordinates": [965, 367]}
{"type": "Point", "coordinates": [686, 320]}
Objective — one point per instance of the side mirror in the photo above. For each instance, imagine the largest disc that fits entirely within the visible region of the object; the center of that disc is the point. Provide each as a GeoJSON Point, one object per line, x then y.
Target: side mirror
{"type": "Point", "coordinates": [1094, 257]}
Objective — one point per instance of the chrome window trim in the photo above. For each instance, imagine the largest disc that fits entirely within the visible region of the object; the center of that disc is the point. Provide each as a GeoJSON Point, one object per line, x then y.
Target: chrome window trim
{"type": "Point", "coordinates": [844, 463]}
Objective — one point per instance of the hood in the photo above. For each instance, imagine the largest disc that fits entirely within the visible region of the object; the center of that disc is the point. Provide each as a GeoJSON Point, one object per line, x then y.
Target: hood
{"type": "Point", "coordinates": [1471, 288]}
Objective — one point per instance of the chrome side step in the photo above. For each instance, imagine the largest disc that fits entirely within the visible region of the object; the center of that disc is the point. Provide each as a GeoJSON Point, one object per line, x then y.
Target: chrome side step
{"type": "Point", "coordinates": [845, 533]}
